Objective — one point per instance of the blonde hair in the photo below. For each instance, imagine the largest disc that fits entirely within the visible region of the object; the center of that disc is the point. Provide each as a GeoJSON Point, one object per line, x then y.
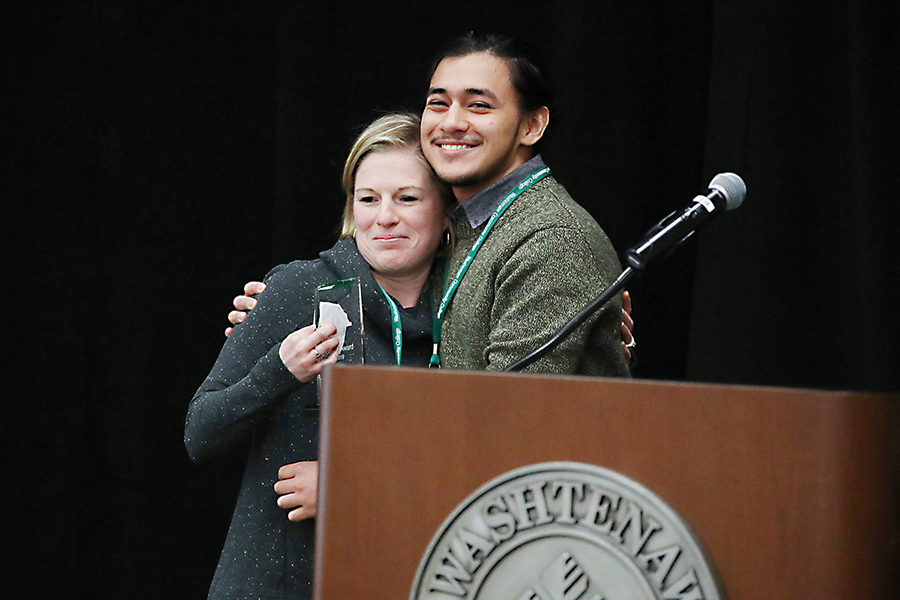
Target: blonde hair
{"type": "Point", "coordinates": [395, 131]}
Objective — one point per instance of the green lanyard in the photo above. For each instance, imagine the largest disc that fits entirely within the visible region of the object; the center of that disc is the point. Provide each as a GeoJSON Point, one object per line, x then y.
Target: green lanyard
{"type": "Point", "coordinates": [396, 324]}
{"type": "Point", "coordinates": [451, 290]}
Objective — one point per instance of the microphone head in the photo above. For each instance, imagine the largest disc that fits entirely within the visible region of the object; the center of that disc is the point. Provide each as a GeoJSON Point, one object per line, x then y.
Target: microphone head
{"type": "Point", "coordinates": [732, 187]}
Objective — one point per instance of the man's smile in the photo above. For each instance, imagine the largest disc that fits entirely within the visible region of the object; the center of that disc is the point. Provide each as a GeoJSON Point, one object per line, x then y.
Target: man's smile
{"type": "Point", "coordinates": [452, 146]}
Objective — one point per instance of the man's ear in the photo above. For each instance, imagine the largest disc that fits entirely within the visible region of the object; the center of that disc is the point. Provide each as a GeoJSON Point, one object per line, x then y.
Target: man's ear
{"type": "Point", "coordinates": [534, 124]}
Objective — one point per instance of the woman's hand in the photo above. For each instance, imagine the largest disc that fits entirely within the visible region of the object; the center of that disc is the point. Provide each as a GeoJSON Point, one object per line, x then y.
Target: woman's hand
{"type": "Point", "coordinates": [245, 303]}
{"type": "Point", "coordinates": [306, 351]}
{"type": "Point", "coordinates": [627, 326]}
{"type": "Point", "coordinates": [297, 487]}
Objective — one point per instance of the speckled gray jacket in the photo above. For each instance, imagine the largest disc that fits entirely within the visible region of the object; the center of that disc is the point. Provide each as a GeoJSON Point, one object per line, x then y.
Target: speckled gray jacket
{"type": "Point", "coordinates": [544, 261]}
{"type": "Point", "coordinates": [250, 396]}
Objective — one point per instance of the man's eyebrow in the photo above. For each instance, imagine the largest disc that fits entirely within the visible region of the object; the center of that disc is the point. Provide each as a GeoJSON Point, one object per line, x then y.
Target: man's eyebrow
{"type": "Point", "coordinates": [481, 92]}
{"type": "Point", "coordinates": [469, 92]}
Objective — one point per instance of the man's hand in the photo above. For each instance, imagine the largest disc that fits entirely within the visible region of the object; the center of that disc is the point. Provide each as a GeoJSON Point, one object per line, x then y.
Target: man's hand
{"type": "Point", "coordinates": [244, 303]}
{"type": "Point", "coordinates": [297, 487]}
{"type": "Point", "coordinates": [627, 326]}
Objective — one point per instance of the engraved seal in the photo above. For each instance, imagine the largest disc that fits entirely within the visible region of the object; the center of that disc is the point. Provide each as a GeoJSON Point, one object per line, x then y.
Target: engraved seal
{"type": "Point", "coordinates": [564, 531]}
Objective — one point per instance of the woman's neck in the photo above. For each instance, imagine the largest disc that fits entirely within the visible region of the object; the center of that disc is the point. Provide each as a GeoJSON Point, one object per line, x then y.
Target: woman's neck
{"type": "Point", "coordinates": [405, 289]}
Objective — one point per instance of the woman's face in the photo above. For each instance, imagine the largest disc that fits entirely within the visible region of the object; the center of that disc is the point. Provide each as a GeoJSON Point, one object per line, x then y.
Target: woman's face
{"type": "Point", "coordinates": [398, 212]}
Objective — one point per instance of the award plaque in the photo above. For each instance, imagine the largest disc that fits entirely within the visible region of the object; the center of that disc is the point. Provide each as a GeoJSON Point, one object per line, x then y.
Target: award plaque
{"type": "Point", "coordinates": [340, 302]}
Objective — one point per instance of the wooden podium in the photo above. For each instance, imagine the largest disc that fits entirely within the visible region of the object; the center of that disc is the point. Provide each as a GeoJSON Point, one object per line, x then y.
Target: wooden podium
{"type": "Point", "coordinates": [793, 493]}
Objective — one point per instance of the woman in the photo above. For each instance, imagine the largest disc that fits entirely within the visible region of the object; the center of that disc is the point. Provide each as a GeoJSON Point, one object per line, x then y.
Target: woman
{"type": "Point", "coordinates": [261, 387]}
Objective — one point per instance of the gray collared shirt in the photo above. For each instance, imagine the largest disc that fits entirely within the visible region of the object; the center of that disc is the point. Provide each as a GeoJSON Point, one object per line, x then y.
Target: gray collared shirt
{"type": "Point", "coordinates": [478, 209]}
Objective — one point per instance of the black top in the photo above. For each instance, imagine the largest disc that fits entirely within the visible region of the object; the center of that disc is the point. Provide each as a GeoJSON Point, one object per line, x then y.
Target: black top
{"type": "Point", "coordinates": [250, 394]}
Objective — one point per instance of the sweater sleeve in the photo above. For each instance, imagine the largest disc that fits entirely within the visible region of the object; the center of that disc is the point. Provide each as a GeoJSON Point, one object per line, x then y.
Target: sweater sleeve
{"type": "Point", "coordinates": [550, 276]}
{"type": "Point", "coordinates": [246, 382]}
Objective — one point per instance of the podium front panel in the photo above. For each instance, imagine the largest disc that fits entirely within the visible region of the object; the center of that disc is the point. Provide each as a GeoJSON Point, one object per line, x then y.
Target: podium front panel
{"type": "Point", "coordinates": [792, 492]}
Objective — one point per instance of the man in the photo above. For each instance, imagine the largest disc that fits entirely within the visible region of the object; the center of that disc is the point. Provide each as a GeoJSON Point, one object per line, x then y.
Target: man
{"type": "Point", "coordinates": [544, 258]}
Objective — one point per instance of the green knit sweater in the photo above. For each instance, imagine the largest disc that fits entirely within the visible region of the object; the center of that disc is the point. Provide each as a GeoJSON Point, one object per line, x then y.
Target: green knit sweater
{"type": "Point", "coordinates": [545, 260]}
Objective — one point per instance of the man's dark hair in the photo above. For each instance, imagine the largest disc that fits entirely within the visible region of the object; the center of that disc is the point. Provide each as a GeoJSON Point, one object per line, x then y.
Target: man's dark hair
{"type": "Point", "coordinates": [526, 69]}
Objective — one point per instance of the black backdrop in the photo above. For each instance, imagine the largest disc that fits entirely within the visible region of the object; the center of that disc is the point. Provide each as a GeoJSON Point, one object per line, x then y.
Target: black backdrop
{"type": "Point", "coordinates": [159, 156]}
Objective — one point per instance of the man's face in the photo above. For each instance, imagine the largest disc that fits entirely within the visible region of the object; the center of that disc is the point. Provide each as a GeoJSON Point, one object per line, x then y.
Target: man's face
{"type": "Point", "coordinates": [472, 129]}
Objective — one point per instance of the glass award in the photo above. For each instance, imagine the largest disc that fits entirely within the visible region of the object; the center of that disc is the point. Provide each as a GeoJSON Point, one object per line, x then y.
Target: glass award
{"type": "Point", "coordinates": [340, 302]}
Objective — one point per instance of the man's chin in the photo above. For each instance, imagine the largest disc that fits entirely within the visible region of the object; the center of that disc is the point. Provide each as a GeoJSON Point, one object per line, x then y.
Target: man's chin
{"type": "Point", "coordinates": [459, 178]}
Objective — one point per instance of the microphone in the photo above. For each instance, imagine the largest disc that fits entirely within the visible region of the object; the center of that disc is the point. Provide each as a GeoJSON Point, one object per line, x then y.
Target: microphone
{"type": "Point", "coordinates": [726, 192]}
